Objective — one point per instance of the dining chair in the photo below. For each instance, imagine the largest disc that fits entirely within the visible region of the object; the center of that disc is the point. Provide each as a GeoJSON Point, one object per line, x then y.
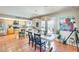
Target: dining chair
{"type": "Point", "coordinates": [39, 41]}
{"type": "Point", "coordinates": [31, 39]}
{"type": "Point", "coordinates": [22, 34]}
{"type": "Point", "coordinates": [72, 41]}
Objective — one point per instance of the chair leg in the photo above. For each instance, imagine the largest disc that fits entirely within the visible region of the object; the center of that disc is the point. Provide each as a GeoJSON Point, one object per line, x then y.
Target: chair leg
{"type": "Point", "coordinates": [29, 42]}
{"type": "Point", "coordinates": [35, 46]}
{"type": "Point", "coordinates": [40, 48]}
{"type": "Point", "coordinates": [32, 44]}
{"type": "Point", "coordinates": [45, 48]}
{"type": "Point", "coordinates": [19, 38]}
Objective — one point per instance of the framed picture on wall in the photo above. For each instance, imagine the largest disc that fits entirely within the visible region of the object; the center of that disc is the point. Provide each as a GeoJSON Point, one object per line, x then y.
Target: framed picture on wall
{"type": "Point", "coordinates": [66, 24]}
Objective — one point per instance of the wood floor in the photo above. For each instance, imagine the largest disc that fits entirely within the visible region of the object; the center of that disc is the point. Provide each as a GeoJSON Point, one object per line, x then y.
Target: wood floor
{"type": "Point", "coordinates": [11, 43]}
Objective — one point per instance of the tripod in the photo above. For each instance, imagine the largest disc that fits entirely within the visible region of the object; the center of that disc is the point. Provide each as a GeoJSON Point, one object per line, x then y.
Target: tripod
{"type": "Point", "coordinates": [76, 37]}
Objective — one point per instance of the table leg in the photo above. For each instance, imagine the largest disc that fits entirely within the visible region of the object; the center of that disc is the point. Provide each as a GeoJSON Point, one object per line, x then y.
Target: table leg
{"type": "Point", "coordinates": [48, 45]}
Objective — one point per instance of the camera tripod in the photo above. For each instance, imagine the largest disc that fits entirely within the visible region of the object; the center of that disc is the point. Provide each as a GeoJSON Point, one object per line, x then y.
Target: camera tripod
{"type": "Point", "coordinates": [76, 37]}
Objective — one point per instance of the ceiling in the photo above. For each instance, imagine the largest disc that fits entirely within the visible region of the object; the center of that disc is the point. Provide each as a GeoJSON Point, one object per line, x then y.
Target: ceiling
{"type": "Point", "coordinates": [29, 11]}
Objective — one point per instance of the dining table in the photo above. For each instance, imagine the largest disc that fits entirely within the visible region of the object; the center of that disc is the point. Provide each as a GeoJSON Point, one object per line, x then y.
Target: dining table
{"type": "Point", "coordinates": [48, 38]}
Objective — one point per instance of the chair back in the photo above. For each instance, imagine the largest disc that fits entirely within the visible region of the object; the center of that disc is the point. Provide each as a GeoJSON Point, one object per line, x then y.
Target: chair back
{"type": "Point", "coordinates": [30, 35]}
{"type": "Point", "coordinates": [21, 34]}
{"type": "Point", "coordinates": [37, 38]}
{"type": "Point", "coordinates": [23, 30]}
